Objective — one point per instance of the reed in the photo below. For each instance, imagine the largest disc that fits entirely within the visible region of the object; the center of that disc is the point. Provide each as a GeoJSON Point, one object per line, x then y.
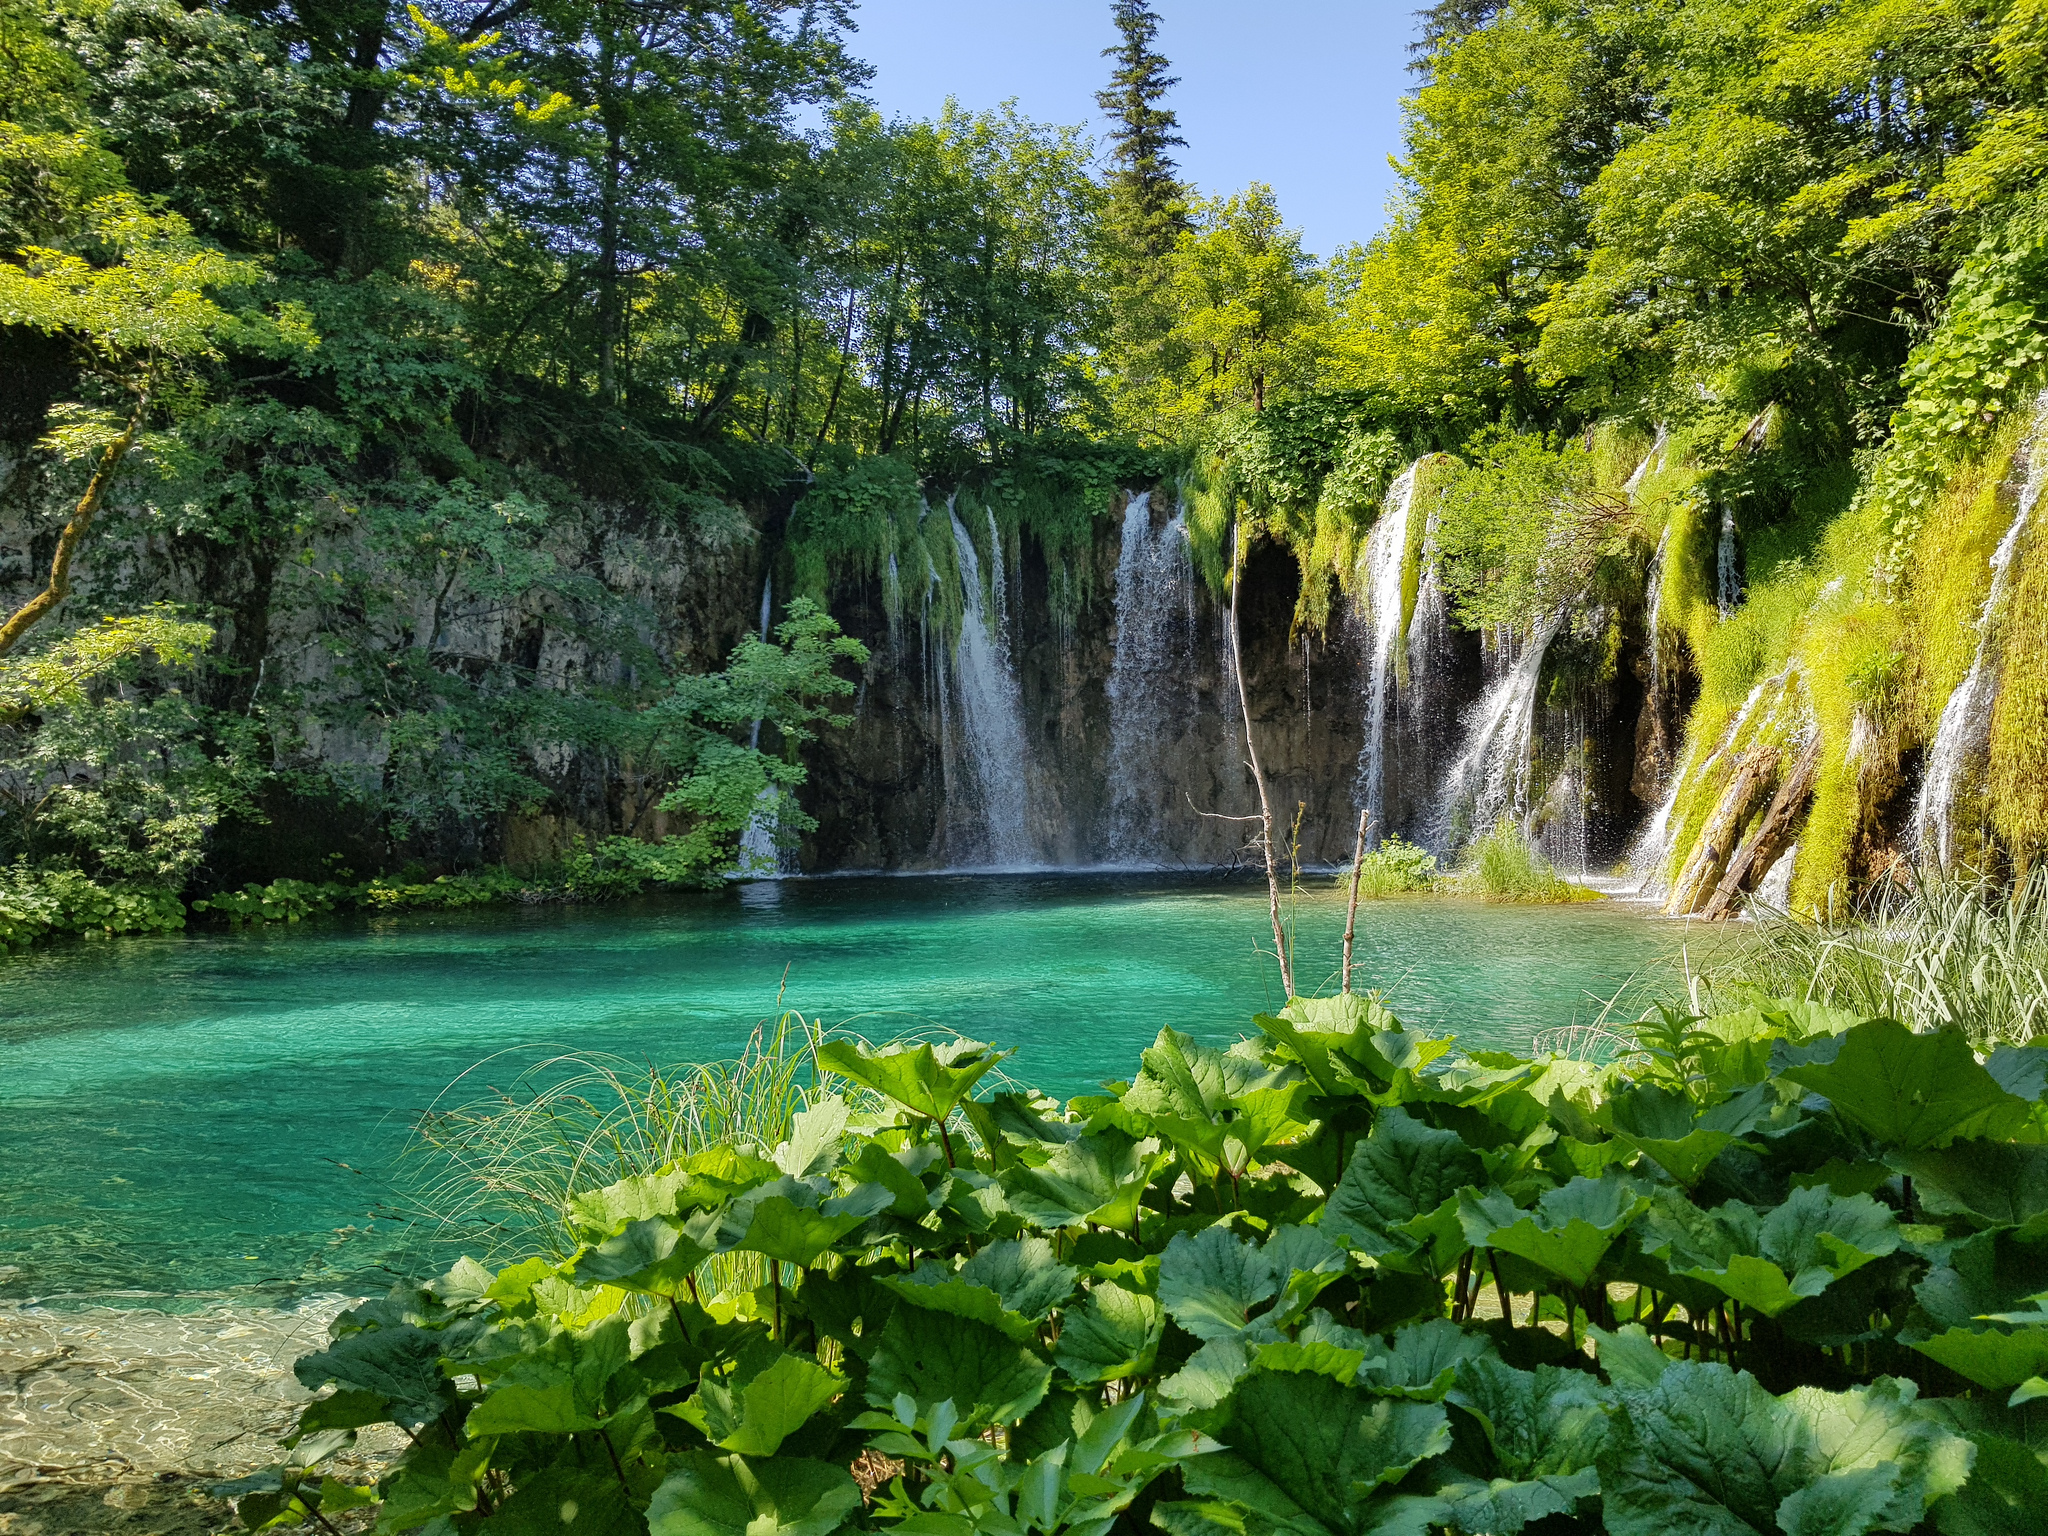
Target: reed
{"type": "Point", "coordinates": [1934, 951]}
{"type": "Point", "coordinates": [495, 1170]}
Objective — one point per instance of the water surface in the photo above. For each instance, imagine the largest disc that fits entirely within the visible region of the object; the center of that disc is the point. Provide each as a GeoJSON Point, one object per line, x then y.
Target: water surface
{"type": "Point", "coordinates": [219, 1112]}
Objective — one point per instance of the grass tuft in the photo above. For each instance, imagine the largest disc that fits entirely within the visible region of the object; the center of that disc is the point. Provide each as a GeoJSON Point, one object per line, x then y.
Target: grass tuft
{"type": "Point", "coordinates": [1935, 952]}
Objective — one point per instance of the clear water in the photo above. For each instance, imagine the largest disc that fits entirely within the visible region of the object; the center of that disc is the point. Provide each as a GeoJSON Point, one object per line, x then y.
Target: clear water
{"type": "Point", "coordinates": [219, 1112]}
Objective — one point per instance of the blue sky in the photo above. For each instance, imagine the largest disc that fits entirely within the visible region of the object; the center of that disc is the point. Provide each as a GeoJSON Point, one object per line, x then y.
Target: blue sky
{"type": "Point", "coordinates": [1304, 94]}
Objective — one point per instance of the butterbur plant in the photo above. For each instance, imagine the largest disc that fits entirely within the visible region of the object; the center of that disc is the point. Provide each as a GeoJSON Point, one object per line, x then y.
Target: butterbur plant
{"type": "Point", "coordinates": [1776, 1273]}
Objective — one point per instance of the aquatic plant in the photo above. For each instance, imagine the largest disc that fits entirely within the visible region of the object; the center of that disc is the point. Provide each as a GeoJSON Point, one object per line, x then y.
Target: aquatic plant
{"type": "Point", "coordinates": [1505, 866]}
{"type": "Point", "coordinates": [1937, 951]}
{"type": "Point", "coordinates": [1338, 1278]}
{"type": "Point", "coordinates": [500, 1168]}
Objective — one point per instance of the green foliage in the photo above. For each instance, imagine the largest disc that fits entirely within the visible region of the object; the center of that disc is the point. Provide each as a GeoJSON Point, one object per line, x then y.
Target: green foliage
{"type": "Point", "coordinates": [1956, 953]}
{"type": "Point", "coordinates": [1058, 1318]}
{"type": "Point", "coordinates": [1505, 866]}
{"type": "Point", "coordinates": [1395, 868]}
{"type": "Point", "coordinates": [1521, 529]}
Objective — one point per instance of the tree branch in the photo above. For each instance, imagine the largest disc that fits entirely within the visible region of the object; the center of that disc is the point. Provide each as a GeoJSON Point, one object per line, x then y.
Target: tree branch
{"type": "Point", "coordinates": [29, 613]}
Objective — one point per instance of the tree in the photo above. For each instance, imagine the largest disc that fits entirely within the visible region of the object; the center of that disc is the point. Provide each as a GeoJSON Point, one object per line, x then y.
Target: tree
{"type": "Point", "coordinates": [1148, 203]}
{"type": "Point", "coordinates": [140, 322]}
{"type": "Point", "coordinates": [1248, 309]}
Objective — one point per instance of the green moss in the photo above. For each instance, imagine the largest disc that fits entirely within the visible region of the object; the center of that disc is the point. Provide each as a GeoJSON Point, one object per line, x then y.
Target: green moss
{"type": "Point", "coordinates": [2018, 778]}
{"type": "Point", "coordinates": [1950, 573]}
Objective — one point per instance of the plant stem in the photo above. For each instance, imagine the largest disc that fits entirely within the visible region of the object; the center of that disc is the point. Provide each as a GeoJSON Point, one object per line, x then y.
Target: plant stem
{"type": "Point", "coordinates": [88, 507]}
{"type": "Point", "coordinates": [1351, 910]}
{"type": "Point", "coordinates": [1251, 753]}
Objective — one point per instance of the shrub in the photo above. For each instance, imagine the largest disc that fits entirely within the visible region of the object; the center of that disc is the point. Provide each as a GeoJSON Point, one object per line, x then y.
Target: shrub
{"type": "Point", "coordinates": [1395, 868]}
{"type": "Point", "coordinates": [1775, 1270]}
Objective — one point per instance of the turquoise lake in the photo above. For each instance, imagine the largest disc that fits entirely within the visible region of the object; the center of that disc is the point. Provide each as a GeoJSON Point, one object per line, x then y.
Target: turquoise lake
{"type": "Point", "coordinates": [220, 1112]}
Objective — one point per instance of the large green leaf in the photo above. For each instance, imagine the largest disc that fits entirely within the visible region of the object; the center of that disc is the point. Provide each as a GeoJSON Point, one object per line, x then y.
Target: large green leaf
{"type": "Point", "coordinates": [1225, 1106]}
{"type": "Point", "coordinates": [2005, 1496]}
{"type": "Point", "coordinates": [1569, 1231]}
{"type": "Point", "coordinates": [1097, 1180]}
{"type": "Point", "coordinates": [933, 1357]}
{"type": "Point", "coordinates": [554, 1385]}
{"type": "Point", "coordinates": [1421, 1360]}
{"type": "Point", "coordinates": [814, 1137]}
{"type": "Point", "coordinates": [1325, 1447]}
{"type": "Point", "coordinates": [402, 1365]}
{"type": "Point", "coordinates": [1010, 1285]}
{"type": "Point", "coordinates": [708, 1495]}
{"type": "Point", "coordinates": [925, 1079]}
{"type": "Point", "coordinates": [1992, 1274]}
{"type": "Point", "coordinates": [1712, 1452]}
{"type": "Point", "coordinates": [1402, 1171]}
{"type": "Point", "coordinates": [1549, 1422]}
{"type": "Point", "coordinates": [1775, 1260]}
{"type": "Point", "coordinates": [754, 1412]}
{"type": "Point", "coordinates": [1112, 1334]}
{"type": "Point", "coordinates": [1990, 1183]}
{"type": "Point", "coordinates": [706, 1179]}
{"type": "Point", "coordinates": [1212, 1282]}
{"type": "Point", "coordinates": [1662, 1126]}
{"type": "Point", "coordinates": [656, 1256]}
{"type": "Point", "coordinates": [1209, 1376]}
{"type": "Point", "coordinates": [1905, 1089]}
{"type": "Point", "coordinates": [797, 1220]}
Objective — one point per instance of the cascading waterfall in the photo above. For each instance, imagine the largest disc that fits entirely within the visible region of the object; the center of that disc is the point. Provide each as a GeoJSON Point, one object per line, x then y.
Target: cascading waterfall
{"type": "Point", "coordinates": [1653, 600]}
{"type": "Point", "coordinates": [1151, 680]}
{"type": "Point", "coordinates": [1634, 481]}
{"type": "Point", "coordinates": [994, 830]}
{"type": "Point", "coordinates": [759, 856]}
{"type": "Point", "coordinates": [1727, 569]}
{"type": "Point", "coordinates": [1490, 779]}
{"type": "Point", "coordinates": [1386, 550]}
{"type": "Point", "coordinates": [1964, 734]}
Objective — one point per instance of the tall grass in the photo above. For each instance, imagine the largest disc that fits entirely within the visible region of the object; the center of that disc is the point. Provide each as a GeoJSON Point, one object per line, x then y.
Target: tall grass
{"type": "Point", "coordinates": [496, 1170]}
{"type": "Point", "coordinates": [1504, 866]}
{"type": "Point", "coordinates": [1935, 952]}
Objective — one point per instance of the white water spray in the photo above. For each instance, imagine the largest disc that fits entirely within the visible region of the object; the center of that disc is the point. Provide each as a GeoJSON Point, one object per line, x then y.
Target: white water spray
{"type": "Point", "coordinates": [1490, 779]}
{"type": "Point", "coordinates": [1964, 734]}
{"type": "Point", "coordinates": [759, 857]}
{"type": "Point", "coordinates": [1386, 550]}
{"type": "Point", "coordinates": [1151, 680]}
{"type": "Point", "coordinates": [996, 829]}
{"type": "Point", "coordinates": [1727, 573]}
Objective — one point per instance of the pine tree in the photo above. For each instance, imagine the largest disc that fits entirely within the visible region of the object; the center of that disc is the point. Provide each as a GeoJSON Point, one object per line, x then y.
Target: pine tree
{"type": "Point", "coordinates": [1148, 203]}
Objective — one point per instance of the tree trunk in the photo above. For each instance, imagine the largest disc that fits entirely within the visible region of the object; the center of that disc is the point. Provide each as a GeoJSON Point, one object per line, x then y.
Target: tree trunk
{"type": "Point", "coordinates": [1754, 778]}
{"type": "Point", "coordinates": [1774, 834]}
{"type": "Point", "coordinates": [31, 612]}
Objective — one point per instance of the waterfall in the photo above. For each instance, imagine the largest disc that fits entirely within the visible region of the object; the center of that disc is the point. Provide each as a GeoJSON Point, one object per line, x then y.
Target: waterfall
{"type": "Point", "coordinates": [1635, 480]}
{"type": "Point", "coordinates": [991, 719]}
{"type": "Point", "coordinates": [1490, 779]}
{"type": "Point", "coordinates": [759, 856]}
{"type": "Point", "coordinates": [1386, 550]}
{"type": "Point", "coordinates": [1727, 577]}
{"type": "Point", "coordinates": [1151, 681]}
{"type": "Point", "coordinates": [1653, 599]}
{"type": "Point", "coordinates": [1964, 734]}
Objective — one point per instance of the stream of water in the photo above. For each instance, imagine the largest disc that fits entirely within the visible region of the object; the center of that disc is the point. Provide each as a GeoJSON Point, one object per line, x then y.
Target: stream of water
{"type": "Point", "coordinates": [220, 1112]}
